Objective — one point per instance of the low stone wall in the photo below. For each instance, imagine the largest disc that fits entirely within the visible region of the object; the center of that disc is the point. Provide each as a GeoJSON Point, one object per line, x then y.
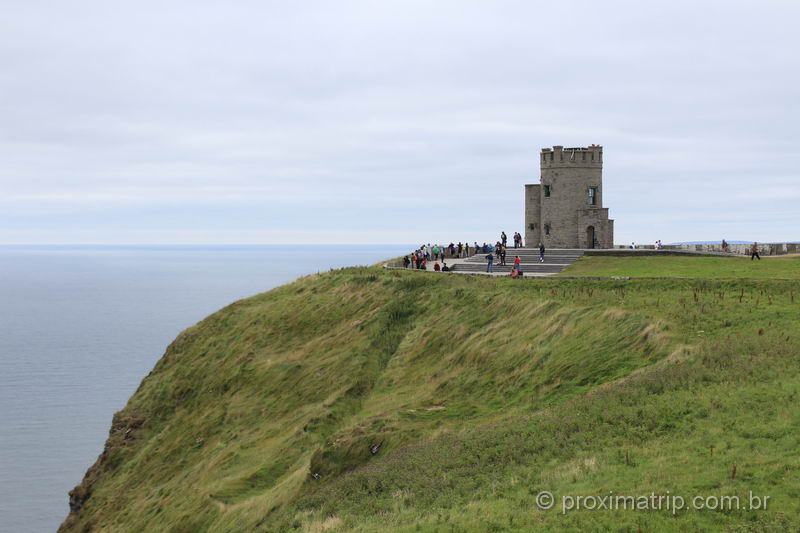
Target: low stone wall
{"type": "Point", "coordinates": [740, 249]}
{"type": "Point", "coordinates": [733, 249]}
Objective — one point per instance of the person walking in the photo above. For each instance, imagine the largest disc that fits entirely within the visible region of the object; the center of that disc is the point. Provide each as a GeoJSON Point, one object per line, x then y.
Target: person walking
{"type": "Point", "coordinates": [490, 263]}
{"type": "Point", "coordinates": [541, 252]}
{"type": "Point", "coordinates": [754, 252]}
{"type": "Point", "coordinates": [406, 261]}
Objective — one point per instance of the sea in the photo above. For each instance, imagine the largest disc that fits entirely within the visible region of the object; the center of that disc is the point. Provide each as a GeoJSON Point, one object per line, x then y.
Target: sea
{"type": "Point", "coordinates": [80, 326]}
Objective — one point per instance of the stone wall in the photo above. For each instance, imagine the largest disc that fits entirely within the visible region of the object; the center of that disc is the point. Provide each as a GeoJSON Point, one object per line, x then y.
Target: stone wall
{"type": "Point", "coordinates": [733, 249]}
{"type": "Point", "coordinates": [603, 228]}
{"type": "Point", "coordinates": [532, 214]}
{"type": "Point", "coordinates": [741, 249]}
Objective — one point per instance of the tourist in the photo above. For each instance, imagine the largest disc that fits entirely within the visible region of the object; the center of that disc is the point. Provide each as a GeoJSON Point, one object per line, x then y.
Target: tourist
{"type": "Point", "coordinates": [754, 252]}
{"type": "Point", "coordinates": [420, 255]}
{"type": "Point", "coordinates": [503, 237]}
{"type": "Point", "coordinates": [490, 264]}
{"type": "Point", "coordinates": [633, 246]}
{"type": "Point", "coordinates": [514, 273]}
{"type": "Point", "coordinates": [541, 252]}
{"type": "Point", "coordinates": [460, 249]}
{"type": "Point", "coordinates": [724, 245]}
{"type": "Point", "coordinates": [517, 262]}
{"type": "Point", "coordinates": [445, 268]}
{"type": "Point", "coordinates": [503, 254]}
{"type": "Point", "coordinates": [436, 267]}
{"type": "Point", "coordinates": [406, 261]}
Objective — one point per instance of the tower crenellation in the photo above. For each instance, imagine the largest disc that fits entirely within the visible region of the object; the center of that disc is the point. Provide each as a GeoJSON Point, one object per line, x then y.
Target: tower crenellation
{"type": "Point", "coordinates": [558, 156]}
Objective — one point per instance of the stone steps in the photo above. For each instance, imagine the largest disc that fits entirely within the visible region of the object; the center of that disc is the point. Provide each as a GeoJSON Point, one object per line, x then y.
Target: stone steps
{"type": "Point", "coordinates": [555, 261]}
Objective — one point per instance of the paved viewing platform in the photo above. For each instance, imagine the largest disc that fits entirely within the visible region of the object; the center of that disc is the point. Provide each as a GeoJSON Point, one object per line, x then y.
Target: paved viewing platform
{"type": "Point", "coordinates": [554, 262]}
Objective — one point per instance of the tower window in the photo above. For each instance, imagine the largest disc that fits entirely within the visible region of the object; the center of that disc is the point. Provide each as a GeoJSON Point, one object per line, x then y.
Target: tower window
{"type": "Point", "coordinates": [592, 195]}
{"type": "Point", "coordinates": [547, 191]}
{"type": "Point", "coordinates": [547, 229]}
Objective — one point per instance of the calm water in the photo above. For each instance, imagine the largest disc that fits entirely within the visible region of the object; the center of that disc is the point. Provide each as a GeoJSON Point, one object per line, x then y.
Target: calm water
{"type": "Point", "coordinates": [80, 327]}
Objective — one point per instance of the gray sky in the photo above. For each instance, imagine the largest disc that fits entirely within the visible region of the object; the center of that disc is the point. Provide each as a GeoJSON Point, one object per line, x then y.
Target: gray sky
{"type": "Point", "coordinates": [346, 122]}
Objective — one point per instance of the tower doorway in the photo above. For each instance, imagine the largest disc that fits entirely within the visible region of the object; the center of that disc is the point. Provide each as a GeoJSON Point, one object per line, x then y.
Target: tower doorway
{"type": "Point", "coordinates": [590, 241]}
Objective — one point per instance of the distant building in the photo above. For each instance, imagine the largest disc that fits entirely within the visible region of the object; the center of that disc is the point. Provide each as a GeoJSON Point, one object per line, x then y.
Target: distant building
{"type": "Point", "coordinates": [565, 210]}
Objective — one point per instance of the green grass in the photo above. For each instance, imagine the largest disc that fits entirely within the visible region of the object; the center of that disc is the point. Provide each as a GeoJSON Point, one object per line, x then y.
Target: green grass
{"type": "Point", "coordinates": [481, 392]}
{"type": "Point", "coordinates": [686, 266]}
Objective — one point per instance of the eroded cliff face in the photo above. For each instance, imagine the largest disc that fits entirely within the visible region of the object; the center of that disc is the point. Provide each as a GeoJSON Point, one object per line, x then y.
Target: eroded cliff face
{"type": "Point", "coordinates": [123, 433]}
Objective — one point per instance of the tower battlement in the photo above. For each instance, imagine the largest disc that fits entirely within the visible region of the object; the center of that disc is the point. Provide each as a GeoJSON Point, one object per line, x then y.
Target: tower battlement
{"type": "Point", "coordinates": [558, 156]}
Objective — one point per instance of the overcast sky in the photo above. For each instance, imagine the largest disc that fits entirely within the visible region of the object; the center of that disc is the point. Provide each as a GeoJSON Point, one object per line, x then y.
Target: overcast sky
{"type": "Point", "coordinates": [397, 122]}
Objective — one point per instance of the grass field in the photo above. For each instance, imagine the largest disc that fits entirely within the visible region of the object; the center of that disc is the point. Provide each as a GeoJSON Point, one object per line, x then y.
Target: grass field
{"type": "Point", "coordinates": [687, 266]}
{"type": "Point", "coordinates": [475, 394]}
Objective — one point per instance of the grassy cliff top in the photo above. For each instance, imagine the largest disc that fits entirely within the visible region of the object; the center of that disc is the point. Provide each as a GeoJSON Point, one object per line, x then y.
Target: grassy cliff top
{"type": "Point", "coordinates": [372, 400]}
{"type": "Point", "coordinates": [786, 266]}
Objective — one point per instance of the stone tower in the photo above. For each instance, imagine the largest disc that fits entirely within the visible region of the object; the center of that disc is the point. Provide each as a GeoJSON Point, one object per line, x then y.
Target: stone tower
{"type": "Point", "coordinates": [565, 210]}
